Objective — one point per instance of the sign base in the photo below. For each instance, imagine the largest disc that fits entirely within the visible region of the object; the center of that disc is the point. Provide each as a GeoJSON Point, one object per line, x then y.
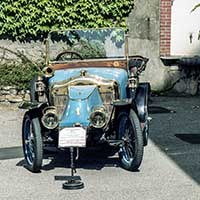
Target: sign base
{"type": "Point", "coordinates": [73, 184]}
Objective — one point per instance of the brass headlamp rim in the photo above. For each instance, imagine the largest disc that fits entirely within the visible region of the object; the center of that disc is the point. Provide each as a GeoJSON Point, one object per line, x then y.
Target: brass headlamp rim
{"type": "Point", "coordinates": [50, 110]}
{"type": "Point", "coordinates": [48, 71]}
{"type": "Point", "coordinates": [100, 110]}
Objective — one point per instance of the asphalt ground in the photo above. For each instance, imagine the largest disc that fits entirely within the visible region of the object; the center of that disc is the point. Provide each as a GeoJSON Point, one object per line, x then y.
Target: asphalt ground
{"type": "Point", "coordinates": [170, 167]}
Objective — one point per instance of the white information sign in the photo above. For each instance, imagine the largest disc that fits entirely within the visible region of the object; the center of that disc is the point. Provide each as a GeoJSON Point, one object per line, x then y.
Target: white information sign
{"type": "Point", "coordinates": [72, 137]}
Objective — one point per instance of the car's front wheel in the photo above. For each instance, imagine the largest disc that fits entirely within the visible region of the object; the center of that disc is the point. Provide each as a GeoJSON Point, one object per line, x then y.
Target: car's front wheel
{"type": "Point", "coordinates": [129, 131]}
{"type": "Point", "coordinates": [33, 94]}
{"type": "Point", "coordinates": [32, 142]}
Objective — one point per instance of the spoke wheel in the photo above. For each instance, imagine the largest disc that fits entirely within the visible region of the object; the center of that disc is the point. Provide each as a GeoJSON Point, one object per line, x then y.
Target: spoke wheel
{"type": "Point", "coordinates": [131, 150]}
{"type": "Point", "coordinates": [32, 142]}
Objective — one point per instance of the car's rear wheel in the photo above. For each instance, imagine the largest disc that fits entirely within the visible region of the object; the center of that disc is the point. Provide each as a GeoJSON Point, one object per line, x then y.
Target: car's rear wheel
{"type": "Point", "coordinates": [32, 142]}
{"type": "Point", "coordinates": [146, 123]}
{"type": "Point", "coordinates": [131, 150]}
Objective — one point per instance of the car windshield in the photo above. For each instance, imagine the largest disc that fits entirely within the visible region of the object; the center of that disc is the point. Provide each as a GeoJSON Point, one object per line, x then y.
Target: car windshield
{"type": "Point", "coordinates": [86, 44]}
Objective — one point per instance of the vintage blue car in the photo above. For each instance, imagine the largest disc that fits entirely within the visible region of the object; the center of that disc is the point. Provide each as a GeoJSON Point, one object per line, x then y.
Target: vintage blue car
{"type": "Point", "coordinates": [89, 94]}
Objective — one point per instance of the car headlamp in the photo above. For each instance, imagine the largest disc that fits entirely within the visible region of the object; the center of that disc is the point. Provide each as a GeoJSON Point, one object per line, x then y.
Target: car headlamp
{"type": "Point", "coordinates": [98, 117]}
{"type": "Point", "coordinates": [50, 118]}
{"type": "Point", "coordinates": [48, 71]}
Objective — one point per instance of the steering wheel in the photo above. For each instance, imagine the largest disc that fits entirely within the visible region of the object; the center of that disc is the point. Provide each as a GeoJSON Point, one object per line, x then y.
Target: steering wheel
{"type": "Point", "coordinates": [58, 57]}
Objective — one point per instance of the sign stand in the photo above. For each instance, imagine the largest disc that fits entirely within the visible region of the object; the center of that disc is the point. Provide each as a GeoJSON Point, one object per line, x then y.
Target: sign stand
{"type": "Point", "coordinates": [73, 182]}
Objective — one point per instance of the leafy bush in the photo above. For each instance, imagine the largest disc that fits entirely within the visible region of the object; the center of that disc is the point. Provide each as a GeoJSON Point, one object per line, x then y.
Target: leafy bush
{"type": "Point", "coordinates": [18, 74]}
{"type": "Point", "coordinates": [28, 19]}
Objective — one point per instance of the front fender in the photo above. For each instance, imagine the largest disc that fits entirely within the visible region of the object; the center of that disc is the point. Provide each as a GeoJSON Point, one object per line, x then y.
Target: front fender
{"type": "Point", "coordinates": [141, 100]}
{"type": "Point", "coordinates": [32, 105]}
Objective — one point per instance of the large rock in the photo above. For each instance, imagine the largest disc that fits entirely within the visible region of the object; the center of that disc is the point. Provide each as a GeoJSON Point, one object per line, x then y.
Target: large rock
{"type": "Point", "coordinates": [2, 98]}
{"type": "Point", "coordinates": [192, 86]}
{"type": "Point", "coordinates": [14, 98]}
{"type": "Point", "coordinates": [180, 86]}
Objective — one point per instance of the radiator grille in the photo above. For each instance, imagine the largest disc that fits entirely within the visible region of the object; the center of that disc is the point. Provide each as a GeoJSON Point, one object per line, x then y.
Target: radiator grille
{"type": "Point", "coordinates": [60, 102]}
{"type": "Point", "coordinates": [109, 91]}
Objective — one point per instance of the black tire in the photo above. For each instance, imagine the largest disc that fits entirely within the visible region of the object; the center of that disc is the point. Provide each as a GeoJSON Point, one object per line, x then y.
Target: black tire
{"type": "Point", "coordinates": [33, 94]}
{"type": "Point", "coordinates": [146, 123]}
{"type": "Point", "coordinates": [32, 142]}
{"type": "Point", "coordinates": [129, 130]}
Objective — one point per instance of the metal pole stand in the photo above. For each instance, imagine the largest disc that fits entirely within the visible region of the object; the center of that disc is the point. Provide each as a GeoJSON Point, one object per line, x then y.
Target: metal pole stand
{"type": "Point", "coordinates": [73, 182]}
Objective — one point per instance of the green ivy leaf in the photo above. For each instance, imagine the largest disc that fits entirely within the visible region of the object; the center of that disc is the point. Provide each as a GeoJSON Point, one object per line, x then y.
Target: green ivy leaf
{"type": "Point", "coordinates": [24, 19]}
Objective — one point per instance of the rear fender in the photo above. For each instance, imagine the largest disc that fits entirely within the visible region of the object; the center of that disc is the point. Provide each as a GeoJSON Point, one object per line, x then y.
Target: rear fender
{"type": "Point", "coordinates": [141, 100]}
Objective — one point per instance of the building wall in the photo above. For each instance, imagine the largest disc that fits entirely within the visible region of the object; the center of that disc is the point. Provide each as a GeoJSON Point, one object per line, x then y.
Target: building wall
{"type": "Point", "coordinates": [144, 39]}
{"type": "Point", "coordinates": [156, 31]}
{"type": "Point", "coordinates": [185, 35]}
{"type": "Point", "coordinates": [165, 27]}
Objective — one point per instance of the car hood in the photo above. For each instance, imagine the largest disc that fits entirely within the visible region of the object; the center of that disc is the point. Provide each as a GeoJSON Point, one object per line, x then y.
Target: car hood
{"type": "Point", "coordinates": [117, 74]}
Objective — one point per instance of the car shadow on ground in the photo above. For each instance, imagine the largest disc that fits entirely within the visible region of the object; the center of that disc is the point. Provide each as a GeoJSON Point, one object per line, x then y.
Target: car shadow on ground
{"type": "Point", "coordinates": [189, 137]}
{"type": "Point", "coordinates": [89, 158]}
{"type": "Point", "coordinates": [11, 153]}
{"type": "Point", "coordinates": [93, 159]}
{"type": "Point", "coordinates": [177, 132]}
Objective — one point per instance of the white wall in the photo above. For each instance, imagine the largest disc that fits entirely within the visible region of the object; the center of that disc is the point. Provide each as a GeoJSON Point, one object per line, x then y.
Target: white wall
{"type": "Point", "coordinates": [184, 23]}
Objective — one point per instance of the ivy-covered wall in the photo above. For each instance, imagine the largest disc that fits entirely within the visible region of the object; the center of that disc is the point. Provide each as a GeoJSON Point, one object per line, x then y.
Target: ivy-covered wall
{"type": "Point", "coordinates": [33, 19]}
{"type": "Point", "coordinates": [25, 23]}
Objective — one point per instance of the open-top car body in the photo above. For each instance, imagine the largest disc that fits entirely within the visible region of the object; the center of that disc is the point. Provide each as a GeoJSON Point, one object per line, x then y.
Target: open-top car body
{"type": "Point", "coordinates": [89, 94]}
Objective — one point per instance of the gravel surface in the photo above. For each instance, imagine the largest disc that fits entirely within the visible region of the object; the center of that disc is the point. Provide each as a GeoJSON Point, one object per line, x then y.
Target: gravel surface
{"type": "Point", "coordinates": [10, 123]}
{"type": "Point", "coordinates": [170, 168]}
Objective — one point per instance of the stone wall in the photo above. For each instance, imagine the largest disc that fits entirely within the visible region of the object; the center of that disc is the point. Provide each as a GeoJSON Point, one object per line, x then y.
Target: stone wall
{"type": "Point", "coordinates": [10, 94]}
{"type": "Point", "coordinates": [11, 50]}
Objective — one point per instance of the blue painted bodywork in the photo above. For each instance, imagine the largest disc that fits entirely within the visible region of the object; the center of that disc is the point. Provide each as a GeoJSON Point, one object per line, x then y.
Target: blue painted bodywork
{"type": "Point", "coordinates": [120, 75]}
{"type": "Point", "coordinates": [82, 99]}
